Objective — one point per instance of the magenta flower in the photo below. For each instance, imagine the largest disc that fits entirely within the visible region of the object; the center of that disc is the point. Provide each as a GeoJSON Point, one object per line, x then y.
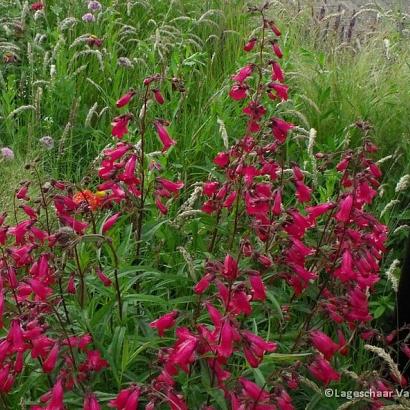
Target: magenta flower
{"type": "Point", "coordinates": [253, 391]}
{"type": "Point", "coordinates": [160, 206]}
{"type": "Point", "coordinates": [250, 45]}
{"type": "Point", "coordinates": [91, 402]}
{"type": "Point", "coordinates": [274, 28]}
{"type": "Point", "coordinates": [38, 5]}
{"type": "Point", "coordinates": [164, 322]}
{"type": "Point", "coordinates": [323, 371]}
{"type": "Point", "coordinates": [243, 73]}
{"type": "Point", "coordinates": [51, 360]}
{"type": "Point", "coordinates": [280, 129]}
{"type": "Point", "coordinates": [276, 49]}
{"type": "Point", "coordinates": [164, 136]}
{"type": "Point", "coordinates": [238, 92]}
{"type": "Point", "coordinates": [120, 125]}
{"type": "Point", "coordinates": [281, 90]}
{"type": "Point", "coordinates": [258, 287]}
{"type": "Point", "coordinates": [171, 186]}
{"type": "Point", "coordinates": [103, 278]}
{"type": "Point", "coordinates": [324, 344]}
{"type": "Point", "coordinates": [158, 96]}
{"type": "Point", "coordinates": [345, 209]}
{"type": "Point", "coordinates": [277, 72]}
{"type": "Point", "coordinates": [125, 99]}
{"type": "Point", "coordinates": [210, 188]}
{"type": "Point", "coordinates": [109, 223]}
{"type": "Point", "coordinates": [230, 268]}
{"type": "Point", "coordinates": [222, 159]}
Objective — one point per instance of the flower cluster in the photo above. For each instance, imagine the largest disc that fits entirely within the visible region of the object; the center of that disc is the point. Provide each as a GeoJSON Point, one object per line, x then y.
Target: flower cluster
{"type": "Point", "coordinates": [333, 248]}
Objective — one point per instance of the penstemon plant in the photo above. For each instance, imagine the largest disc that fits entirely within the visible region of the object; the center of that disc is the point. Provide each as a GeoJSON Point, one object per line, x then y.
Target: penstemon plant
{"type": "Point", "coordinates": [272, 234]}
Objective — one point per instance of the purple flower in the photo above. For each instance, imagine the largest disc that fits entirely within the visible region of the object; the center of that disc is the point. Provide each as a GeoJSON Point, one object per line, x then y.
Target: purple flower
{"type": "Point", "coordinates": [7, 153]}
{"type": "Point", "coordinates": [88, 18]}
{"type": "Point", "coordinates": [94, 6]}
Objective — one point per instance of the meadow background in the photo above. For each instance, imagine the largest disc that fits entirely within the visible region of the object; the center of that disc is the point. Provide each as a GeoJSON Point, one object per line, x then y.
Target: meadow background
{"type": "Point", "coordinates": [344, 64]}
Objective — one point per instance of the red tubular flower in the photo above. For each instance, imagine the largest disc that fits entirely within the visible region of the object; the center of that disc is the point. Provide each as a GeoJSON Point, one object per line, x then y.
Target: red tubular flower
{"type": "Point", "coordinates": [41, 291]}
{"type": "Point", "coordinates": [203, 284]}
{"type": "Point", "coordinates": [22, 192]}
{"type": "Point", "coordinates": [164, 136]}
{"type": "Point", "coordinates": [280, 89]}
{"type": "Point", "coordinates": [277, 72]}
{"type": "Point", "coordinates": [250, 45]}
{"type": "Point", "coordinates": [120, 125]}
{"type": "Point", "coordinates": [171, 186]}
{"type": "Point", "coordinates": [345, 208]}
{"type": "Point", "coordinates": [214, 314]}
{"type": "Point", "coordinates": [274, 28]}
{"type": "Point", "coordinates": [103, 278]}
{"type": "Point", "coordinates": [128, 176]}
{"type": "Point", "coordinates": [323, 371]}
{"type": "Point", "coordinates": [324, 344]}
{"type": "Point", "coordinates": [158, 96]}
{"type": "Point", "coordinates": [133, 399]}
{"type": "Point", "coordinates": [57, 396]}
{"type": "Point", "coordinates": [184, 353]}
{"type": "Point", "coordinates": [276, 49]}
{"type": "Point", "coordinates": [38, 5]}
{"type": "Point", "coordinates": [125, 99]}
{"type": "Point", "coordinates": [253, 391]}
{"type": "Point", "coordinates": [15, 336]}
{"type": "Point", "coordinates": [94, 362]}
{"type": "Point", "coordinates": [303, 192]}
{"type": "Point", "coordinates": [1, 311]}
{"type": "Point", "coordinates": [30, 212]}
{"type": "Point", "coordinates": [116, 153]}
{"type": "Point", "coordinates": [110, 222]}
{"type": "Point", "coordinates": [258, 287]}
{"type": "Point", "coordinates": [78, 226]}
{"type": "Point", "coordinates": [71, 285]}
{"type": "Point", "coordinates": [176, 401]}
{"type": "Point", "coordinates": [230, 199]}
{"type": "Point", "coordinates": [91, 402]}
{"type": "Point", "coordinates": [164, 322]}
{"type": "Point", "coordinates": [280, 129]}
{"type": "Point", "coordinates": [225, 348]}
{"type": "Point", "coordinates": [284, 401]}
{"type": "Point", "coordinates": [221, 159]}
{"type": "Point", "coordinates": [243, 73]}
{"type": "Point", "coordinates": [230, 269]}
{"type": "Point", "coordinates": [161, 207]}
{"type": "Point", "coordinates": [210, 188]}
{"type": "Point", "coordinates": [238, 92]}
{"type": "Point", "coordinates": [50, 363]}
{"type": "Point", "coordinates": [121, 400]}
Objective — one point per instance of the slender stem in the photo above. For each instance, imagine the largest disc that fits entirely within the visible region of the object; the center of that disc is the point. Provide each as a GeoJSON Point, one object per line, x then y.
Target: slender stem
{"type": "Point", "coordinates": [235, 224]}
{"type": "Point", "coordinates": [12, 287]}
{"type": "Point", "coordinates": [70, 348]}
{"type": "Point", "coordinates": [143, 128]}
{"type": "Point", "coordinates": [306, 324]}
{"type": "Point", "coordinates": [117, 282]}
{"type": "Point", "coordinates": [43, 198]}
{"type": "Point", "coordinates": [215, 232]}
{"type": "Point", "coordinates": [116, 264]}
{"type": "Point", "coordinates": [81, 274]}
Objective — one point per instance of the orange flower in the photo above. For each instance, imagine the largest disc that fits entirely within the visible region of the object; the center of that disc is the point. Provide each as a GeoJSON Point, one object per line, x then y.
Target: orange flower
{"type": "Point", "coordinates": [93, 200]}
